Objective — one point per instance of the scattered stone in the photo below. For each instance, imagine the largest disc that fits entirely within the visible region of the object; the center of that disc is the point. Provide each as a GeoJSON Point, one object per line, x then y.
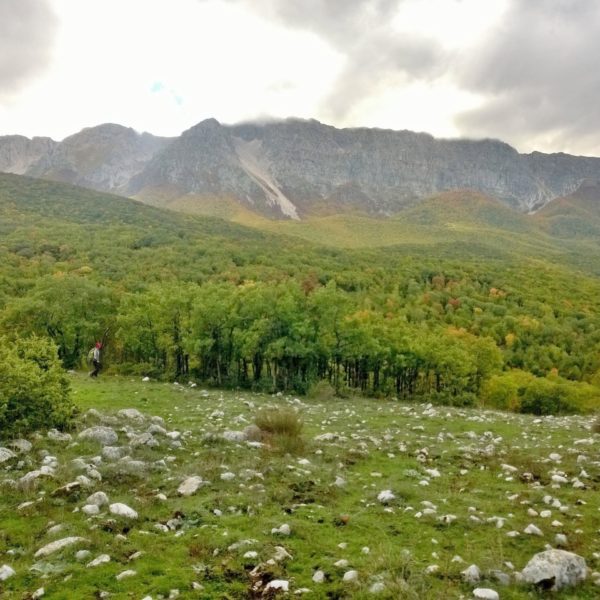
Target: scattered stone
{"type": "Point", "coordinates": [555, 568]}
{"type": "Point", "coordinates": [122, 510]}
{"type": "Point", "coordinates": [319, 576]}
{"type": "Point", "coordinates": [81, 555]}
{"type": "Point", "coordinates": [234, 436]}
{"type": "Point", "coordinates": [124, 574]}
{"type": "Point", "coordinates": [282, 530]}
{"type": "Point", "coordinates": [278, 584]}
{"type": "Point", "coordinates": [190, 485]}
{"type": "Point", "coordinates": [103, 435]}
{"type": "Point", "coordinates": [112, 452]}
{"type": "Point", "coordinates": [281, 554]}
{"type": "Point", "coordinates": [67, 490]}
{"type": "Point", "coordinates": [471, 574]}
{"type": "Point", "coordinates": [21, 445]}
{"type": "Point", "coordinates": [386, 496]}
{"type": "Point", "coordinates": [53, 547]}
{"type": "Point", "coordinates": [531, 529]}
{"type": "Point", "coordinates": [100, 560]}
{"type": "Point", "coordinates": [6, 572]}
{"type": "Point", "coordinates": [485, 594]}
{"type": "Point", "coordinates": [59, 436]}
{"type": "Point", "coordinates": [98, 498]}
{"type": "Point", "coordinates": [90, 510]}
{"type": "Point", "coordinates": [133, 414]}
{"type": "Point", "coordinates": [560, 539]}
{"type": "Point", "coordinates": [350, 576]}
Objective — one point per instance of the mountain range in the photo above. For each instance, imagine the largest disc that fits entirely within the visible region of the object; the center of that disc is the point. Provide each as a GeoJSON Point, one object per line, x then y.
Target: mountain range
{"type": "Point", "coordinates": [293, 169]}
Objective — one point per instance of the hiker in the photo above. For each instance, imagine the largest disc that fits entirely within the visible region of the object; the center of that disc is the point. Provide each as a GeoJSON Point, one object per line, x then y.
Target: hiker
{"type": "Point", "coordinates": [95, 352]}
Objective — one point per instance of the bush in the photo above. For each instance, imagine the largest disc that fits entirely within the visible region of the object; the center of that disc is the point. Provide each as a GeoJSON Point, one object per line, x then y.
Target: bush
{"type": "Point", "coordinates": [34, 389]}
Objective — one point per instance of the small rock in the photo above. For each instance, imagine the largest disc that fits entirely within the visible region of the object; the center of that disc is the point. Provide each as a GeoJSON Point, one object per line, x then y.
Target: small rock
{"type": "Point", "coordinates": [278, 584]}
{"type": "Point", "coordinates": [124, 574]}
{"type": "Point", "coordinates": [103, 435]}
{"type": "Point", "coordinates": [560, 539]}
{"type": "Point", "coordinates": [98, 498]}
{"type": "Point", "coordinates": [133, 414]}
{"type": "Point", "coordinates": [91, 509]}
{"type": "Point", "coordinates": [485, 594]}
{"type": "Point", "coordinates": [531, 529]}
{"type": "Point", "coordinates": [385, 496]}
{"type": "Point", "coordinates": [282, 530]}
{"type": "Point", "coordinates": [319, 576]}
{"type": "Point", "coordinates": [122, 510]}
{"type": "Point", "coordinates": [100, 560]}
{"type": "Point", "coordinates": [190, 486]}
{"type": "Point", "coordinates": [21, 445]}
{"type": "Point", "coordinates": [6, 572]}
{"type": "Point", "coordinates": [350, 576]}
{"type": "Point", "coordinates": [58, 545]}
{"type": "Point", "coordinates": [471, 574]}
{"type": "Point", "coordinates": [58, 436]}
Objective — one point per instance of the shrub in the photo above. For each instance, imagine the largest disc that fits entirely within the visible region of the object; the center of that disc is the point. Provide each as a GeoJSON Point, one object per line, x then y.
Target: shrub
{"type": "Point", "coordinates": [34, 389]}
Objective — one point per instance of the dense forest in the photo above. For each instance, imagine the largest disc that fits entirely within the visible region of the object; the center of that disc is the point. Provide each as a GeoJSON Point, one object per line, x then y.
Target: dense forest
{"type": "Point", "coordinates": [462, 319]}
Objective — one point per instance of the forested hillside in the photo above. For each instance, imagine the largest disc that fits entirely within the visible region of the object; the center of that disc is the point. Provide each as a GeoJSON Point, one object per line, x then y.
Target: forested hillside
{"type": "Point", "coordinates": [509, 317]}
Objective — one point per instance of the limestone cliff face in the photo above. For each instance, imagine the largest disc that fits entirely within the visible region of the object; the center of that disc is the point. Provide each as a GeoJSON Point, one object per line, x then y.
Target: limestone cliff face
{"type": "Point", "coordinates": [103, 158]}
{"type": "Point", "coordinates": [291, 168]}
{"type": "Point", "coordinates": [18, 153]}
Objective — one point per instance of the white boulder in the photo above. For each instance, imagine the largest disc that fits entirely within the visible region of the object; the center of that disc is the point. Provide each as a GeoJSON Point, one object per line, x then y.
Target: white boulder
{"type": "Point", "coordinates": [556, 567]}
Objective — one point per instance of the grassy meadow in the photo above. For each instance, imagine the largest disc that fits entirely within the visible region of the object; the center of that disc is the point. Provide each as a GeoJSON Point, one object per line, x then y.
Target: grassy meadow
{"type": "Point", "coordinates": [462, 479]}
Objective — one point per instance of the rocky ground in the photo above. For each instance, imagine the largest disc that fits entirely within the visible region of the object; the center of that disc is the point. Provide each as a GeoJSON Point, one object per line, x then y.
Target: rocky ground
{"type": "Point", "coordinates": [166, 491]}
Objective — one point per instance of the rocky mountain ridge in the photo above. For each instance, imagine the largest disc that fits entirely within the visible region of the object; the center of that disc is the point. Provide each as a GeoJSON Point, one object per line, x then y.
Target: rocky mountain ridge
{"type": "Point", "coordinates": [292, 168]}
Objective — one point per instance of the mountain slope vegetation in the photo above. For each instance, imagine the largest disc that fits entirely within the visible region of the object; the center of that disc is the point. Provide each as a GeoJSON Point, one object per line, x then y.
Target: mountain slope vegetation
{"type": "Point", "coordinates": [472, 314]}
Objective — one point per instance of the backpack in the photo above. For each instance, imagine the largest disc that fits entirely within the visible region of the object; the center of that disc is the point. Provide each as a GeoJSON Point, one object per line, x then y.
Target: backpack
{"type": "Point", "coordinates": [90, 356]}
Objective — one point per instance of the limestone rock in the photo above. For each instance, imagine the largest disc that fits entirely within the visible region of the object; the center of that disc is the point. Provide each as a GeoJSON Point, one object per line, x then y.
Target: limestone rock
{"type": "Point", "coordinates": [6, 454]}
{"type": "Point", "coordinates": [485, 594]}
{"type": "Point", "coordinates": [556, 568]}
{"type": "Point", "coordinates": [133, 414]}
{"type": "Point", "coordinates": [53, 547]}
{"type": "Point", "coordinates": [103, 435]}
{"type": "Point", "coordinates": [471, 574]}
{"type": "Point", "coordinates": [98, 498]}
{"type": "Point", "coordinates": [190, 485]}
{"type": "Point", "coordinates": [99, 560]}
{"type": "Point", "coordinates": [122, 510]}
{"type": "Point", "coordinates": [6, 572]}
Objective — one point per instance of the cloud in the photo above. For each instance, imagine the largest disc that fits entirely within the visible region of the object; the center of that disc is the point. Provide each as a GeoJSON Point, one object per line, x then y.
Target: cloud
{"type": "Point", "coordinates": [376, 55]}
{"type": "Point", "coordinates": [539, 78]}
{"type": "Point", "coordinates": [27, 31]}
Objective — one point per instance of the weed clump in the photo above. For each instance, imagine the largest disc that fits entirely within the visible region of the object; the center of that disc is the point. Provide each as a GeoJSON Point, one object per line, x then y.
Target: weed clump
{"type": "Point", "coordinates": [281, 428]}
{"type": "Point", "coordinates": [279, 421]}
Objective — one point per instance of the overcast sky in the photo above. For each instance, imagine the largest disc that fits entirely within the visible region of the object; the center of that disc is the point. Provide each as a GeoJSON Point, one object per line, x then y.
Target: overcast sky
{"type": "Point", "coordinates": [524, 71]}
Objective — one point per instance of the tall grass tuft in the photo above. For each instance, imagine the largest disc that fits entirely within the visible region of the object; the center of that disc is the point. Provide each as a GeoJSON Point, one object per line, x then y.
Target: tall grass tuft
{"type": "Point", "coordinates": [281, 428]}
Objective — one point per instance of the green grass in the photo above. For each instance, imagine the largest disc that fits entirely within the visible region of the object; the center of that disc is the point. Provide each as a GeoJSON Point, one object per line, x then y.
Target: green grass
{"type": "Point", "coordinates": [377, 449]}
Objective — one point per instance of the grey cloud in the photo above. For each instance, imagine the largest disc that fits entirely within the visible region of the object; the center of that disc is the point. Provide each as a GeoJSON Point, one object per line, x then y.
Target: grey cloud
{"type": "Point", "coordinates": [361, 31]}
{"type": "Point", "coordinates": [27, 29]}
{"type": "Point", "coordinates": [540, 77]}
